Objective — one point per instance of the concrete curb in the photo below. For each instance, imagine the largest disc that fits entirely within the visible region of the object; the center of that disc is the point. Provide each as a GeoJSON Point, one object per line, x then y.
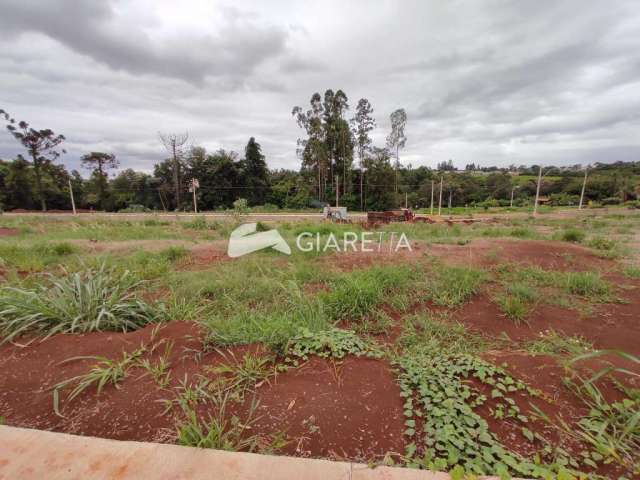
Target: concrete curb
{"type": "Point", "coordinates": [34, 454]}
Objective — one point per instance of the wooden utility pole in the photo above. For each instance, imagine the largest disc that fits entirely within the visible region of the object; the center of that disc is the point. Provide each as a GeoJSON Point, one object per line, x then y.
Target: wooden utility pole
{"type": "Point", "coordinates": [73, 201]}
{"type": "Point", "coordinates": [440, 201]}
{"type": "Point", "coordinates": [450, 194]}
{"type": "Point", "coordinates": [432, 185]}
{"type": "Point", "coordinates": [405, 200]}
{"type": "Point", "coordinates": [512, 190]}
{"type": "Point", "coordinates": [361, 186]}
{"type": "Point", "coordinates": [195, 184]}
{"type": "Point", "coordinates": [535, 205]}
{"type": "Point", "coordinates": [584, 185]}
{"type": "Point", "coordinates": [337, 189]}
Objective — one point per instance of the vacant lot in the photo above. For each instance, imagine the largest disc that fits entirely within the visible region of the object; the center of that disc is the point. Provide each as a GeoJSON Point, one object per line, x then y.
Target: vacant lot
{"type": "Point", "coordinates": [507, 347]}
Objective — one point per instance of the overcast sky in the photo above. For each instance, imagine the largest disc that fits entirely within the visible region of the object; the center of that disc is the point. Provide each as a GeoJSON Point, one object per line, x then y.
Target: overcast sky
{"type": "Point", "coordinates": [492, 82]}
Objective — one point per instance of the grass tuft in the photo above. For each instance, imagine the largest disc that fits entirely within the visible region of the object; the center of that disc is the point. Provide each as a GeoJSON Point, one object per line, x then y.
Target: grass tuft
{"type": "Point", "coordinates": [93, 300]}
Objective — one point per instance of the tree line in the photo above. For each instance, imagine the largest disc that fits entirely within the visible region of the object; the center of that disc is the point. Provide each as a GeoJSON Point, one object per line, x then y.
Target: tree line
{"type": "Point", "coordinates": [338, 158]}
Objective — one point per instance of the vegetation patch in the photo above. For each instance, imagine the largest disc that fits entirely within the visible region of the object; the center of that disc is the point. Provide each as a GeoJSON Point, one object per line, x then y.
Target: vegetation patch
{"type": "Point", "coordinates": [334, 343]}
{"type": "Point", "coordinates": [93, 300]}
{"type": "Point", "coordinates": [358, 293]}
{"type": "Point", "coordinates": [450, 286]}
{"type": "Point", "coordinates": [551, 342]}
{"type": "Point", "coordinates": [443, 430]}
{"type": "Point", "coordinates": [517, 300]}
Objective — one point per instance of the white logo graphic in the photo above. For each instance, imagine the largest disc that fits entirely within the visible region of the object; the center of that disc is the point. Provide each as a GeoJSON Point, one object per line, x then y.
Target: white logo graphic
{"type": "Point", "coordinates": [245, 239]}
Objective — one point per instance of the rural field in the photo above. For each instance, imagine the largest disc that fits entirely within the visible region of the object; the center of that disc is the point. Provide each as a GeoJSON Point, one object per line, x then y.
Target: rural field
{"type": "Point", "coordinates": [508, 346]}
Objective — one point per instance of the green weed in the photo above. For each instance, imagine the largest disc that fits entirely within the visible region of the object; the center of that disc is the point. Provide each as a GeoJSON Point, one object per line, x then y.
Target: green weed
{"type": "Point", "coordinates": [551, 342]}
{"type": "Point", "coordinates": [358, 293]}
{"type": "Point", "coordinates": [451, 286]}
{"type": "Point", "coordinates": [334, 343]}
{"type": "Point", "coordinates": [93, 300]}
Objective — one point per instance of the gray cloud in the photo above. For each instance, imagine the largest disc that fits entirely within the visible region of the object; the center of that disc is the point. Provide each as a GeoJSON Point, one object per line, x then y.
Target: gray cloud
{"type": "Point", "coordinates": [94, 29]}
{"type": "Point", "coordinates": [499, 83]}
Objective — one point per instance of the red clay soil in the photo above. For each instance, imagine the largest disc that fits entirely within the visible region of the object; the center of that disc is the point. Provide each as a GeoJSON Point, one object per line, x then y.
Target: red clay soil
{"type": "Point", "coordinates": [8, 232]}
{"type": "Point", "coordinates": [612, 325]}
{"type": "Point", "coordinates": [547, 255]}
{"type": "Point", "coordinates": [480, 253]}
{"type": "Point", "coordinates": [544, 374]}
{"type": "Point", "coordinates": [348, 410]}
{"type": "Point", "coordinates": [342, 410]}
{"type": "Point", "coordinates": [202, 257]}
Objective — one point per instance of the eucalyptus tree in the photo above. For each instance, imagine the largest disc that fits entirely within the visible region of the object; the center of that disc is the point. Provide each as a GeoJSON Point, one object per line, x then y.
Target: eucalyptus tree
{"type": "Point", "coordinates": [338, 136]}
{"type": "Point", "coordinates": [397, 139]}
{"type": "Point", "coordinates": [41, 145]}
{"type": "Point", "coordinates": [363, 123]}
{"type": "Point", "coordinates": [312, 149]}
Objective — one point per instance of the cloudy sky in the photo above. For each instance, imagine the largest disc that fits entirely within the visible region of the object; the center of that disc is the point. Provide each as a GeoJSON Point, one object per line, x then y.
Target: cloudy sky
{"type": "Point", "coordinates": [491, 82]}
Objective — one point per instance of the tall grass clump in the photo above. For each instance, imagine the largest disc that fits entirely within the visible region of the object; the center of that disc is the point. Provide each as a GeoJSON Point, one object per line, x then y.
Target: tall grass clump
{"type": "Point", "coordinates": [586, 284]}
{"type": "Point", "coordinates": [452, 286]}
{"type": "Point", "coordinates": [572, 235]}
{"type": "Point", "coordinates": [358, 293]}
{"type": "Point", "coordinates": [92, 300]}
{"type": "Point", "coordinates": [35, 256]}
{"type": "Point", "coordinates": [274, 327]}
{"type": "Point", "coordinates": [516, 301]}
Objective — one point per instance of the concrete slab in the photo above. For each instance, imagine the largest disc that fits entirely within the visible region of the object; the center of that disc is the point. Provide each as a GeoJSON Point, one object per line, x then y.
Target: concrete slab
{"type": "Point", "coordinates": [34, 454]}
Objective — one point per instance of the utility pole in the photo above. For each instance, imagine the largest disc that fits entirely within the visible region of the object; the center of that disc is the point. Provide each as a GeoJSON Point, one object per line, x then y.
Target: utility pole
{"type": "Point", "coordinates": [73, 202]}
{"type": "Point", "coordinates": [440, 201]}
{"type": "Point", "coordinates": [584, 185]}
{"type": "Point", "coordinates": [512, 190]}
{"type": "Point", "coordinates": [361, 185]}
{"type": "Point", "coordinates": [405, 199]}
{"type": "Point", "coordinates": [195, 184]}
{"type": "Point", "coordinates": [535, 205]}
{"type": "Point", "coordinates": [337, 189]}
{"type": "Point", "coordinates": [432, 185]}
{"type": "Point", "coordinates": [450, 193]}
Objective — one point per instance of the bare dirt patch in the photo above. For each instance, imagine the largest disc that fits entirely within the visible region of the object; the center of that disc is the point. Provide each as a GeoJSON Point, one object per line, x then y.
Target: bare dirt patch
{"type": "Point", "coordinates": [8, 232]}
{"type": "Point", "coordinates": [202, 257]}
{"type": "Point", "coordinates": [612, 326]}
{"type": "Point", "coordinates": [547, 255]}
{"type": "Point", "coordinates": [349, 409]}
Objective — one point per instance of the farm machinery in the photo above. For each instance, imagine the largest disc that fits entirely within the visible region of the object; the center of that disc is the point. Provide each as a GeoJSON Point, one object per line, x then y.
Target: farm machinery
{"type": "Point", "coordinates": [399, 215]}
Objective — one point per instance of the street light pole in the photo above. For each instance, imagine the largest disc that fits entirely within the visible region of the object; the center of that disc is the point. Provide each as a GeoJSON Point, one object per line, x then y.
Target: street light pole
{"type": "Point", "coordinates": [440, 201]}
{"type": "Point", "coordinates": [535, 205]}
{"type": "Point", "coordinates": [432, 185]}
{"type": "Point", "coordinates": [584, 185]}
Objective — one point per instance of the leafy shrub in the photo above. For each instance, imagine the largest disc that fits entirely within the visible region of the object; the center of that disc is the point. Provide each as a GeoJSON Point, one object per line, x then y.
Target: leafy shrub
{"type": "Point", "coordinates": [93, 300]}
{"type": "Point", "coordinates": [611, 201]}
{"type": "Point", "coordinates": [573, 235]}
